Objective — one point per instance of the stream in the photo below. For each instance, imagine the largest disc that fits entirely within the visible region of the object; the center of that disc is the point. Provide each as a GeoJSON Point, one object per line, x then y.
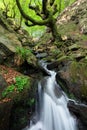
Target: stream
{"type": "Point", "coordinates": [51, 108]}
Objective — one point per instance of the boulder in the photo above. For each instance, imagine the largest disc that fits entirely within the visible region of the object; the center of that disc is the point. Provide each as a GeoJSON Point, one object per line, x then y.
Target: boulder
{"type": "Point", "coordinates": [72, 80]}
{"type": "Point", "coordinates": [80, 110]}
{"type": "Point", "coordinates": [8, 43]}
{"type": "Point", "coordinates": [8, 40]}
{"type": "Point", "coordinates": [5, 113]}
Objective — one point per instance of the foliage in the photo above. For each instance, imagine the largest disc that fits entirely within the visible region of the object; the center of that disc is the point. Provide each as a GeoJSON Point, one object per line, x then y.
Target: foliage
{"type": "Point", "coordinates": [71, 96]}
{"type": "Point", "coordinates": [10, 89]}
{"type": "Point", "coordinates": [30, 102]}
{"type": "Point", "coordinates": [18, 86]}
{"type": "Point", "coordinates": [10, 10]}
{"type": "Point", "coordinates": [23, 54]}
{"type": "Point", "coordinates": [21, 82]}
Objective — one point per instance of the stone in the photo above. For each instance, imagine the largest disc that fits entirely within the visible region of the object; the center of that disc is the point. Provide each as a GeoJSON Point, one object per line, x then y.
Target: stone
{"type": "Point", "coordinates": [3, 83]}
{"type": "Point", "coordinates": [1, 59]}
{"type": "Point", "coordinates": [41, 55]}
{"type": "Point", "coordinates": [8, 43]}
{"type": "Point", "coordinates": [5, 112]}
{"type": "Point", "coordinates": [80, 110]}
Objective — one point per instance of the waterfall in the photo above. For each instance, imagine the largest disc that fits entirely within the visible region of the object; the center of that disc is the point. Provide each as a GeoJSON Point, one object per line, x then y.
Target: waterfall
{"type": "Point", "coordinates": [52, 112]}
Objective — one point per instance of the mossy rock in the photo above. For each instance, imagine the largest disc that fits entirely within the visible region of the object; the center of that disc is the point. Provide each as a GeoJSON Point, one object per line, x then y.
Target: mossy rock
{"type": "Point", "coordinates": [74, 47]}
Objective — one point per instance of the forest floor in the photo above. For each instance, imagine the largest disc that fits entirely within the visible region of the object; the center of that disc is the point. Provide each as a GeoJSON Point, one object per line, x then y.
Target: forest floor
{"type": "Point", "coordinates": [9, 74]}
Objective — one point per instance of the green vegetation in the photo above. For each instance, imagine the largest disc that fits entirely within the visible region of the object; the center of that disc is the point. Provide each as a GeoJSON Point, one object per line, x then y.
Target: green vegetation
{"type": "Point", "coordinates": [30, 102]}
{"type": "Point", "coordinates": [37, 11]}
{"type": "Point", "coordinates": [20, 83]}
{"type": "Point", "coordinates": [23, 52]}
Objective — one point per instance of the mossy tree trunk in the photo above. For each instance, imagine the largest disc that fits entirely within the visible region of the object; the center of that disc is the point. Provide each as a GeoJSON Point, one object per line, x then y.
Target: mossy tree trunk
{"type": "Point", "coordinates": [46, 13]}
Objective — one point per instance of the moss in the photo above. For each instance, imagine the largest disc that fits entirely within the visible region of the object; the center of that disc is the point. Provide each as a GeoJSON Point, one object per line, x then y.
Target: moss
{"type": "Point", "coordinates": [84, 37]}
{"type": "Point", "coordinates": [4, 23]}
{"type": "Point", "coordinates": [74, 46]}
{"type": "Point", "coordinates": [71, 96]}
{"type": "Point", "coordinates": [84, 91]}
{"type": "Point", "coordinates": [24, 54]}
{"type": "Point", "coordinates": [21, 84]}
{"type": "Point", "coordinates": [78, 73]}
{"type": "Point", "coordinates": [69, 28]}
{"type": "Point", "coordinates": [23, 108]}
{"type": "Point", "coordinates": [62, 58]}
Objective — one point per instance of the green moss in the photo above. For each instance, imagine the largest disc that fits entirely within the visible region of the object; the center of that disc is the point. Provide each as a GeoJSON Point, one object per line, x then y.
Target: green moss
{"type": "Point", "coordinates": [74, 46]}
{"type": "Point", "coordinates": [19, 85]}
{"type": "Point", "coordinates": [78, 73]}
{"type": "Point", "coordinates": [70, 27]}
{"type": "Point", "coordinates": [74, 69]}
{"type": "Point", "coordinates": [72, 96]}
{"type": "Point", "coordinates": [84, 37]}
{"type": "Point", "coordinates": [84, 91]}
{"type": "Point", "coordinates": [62, 58]}
{"type": "Point", "coordinates": [23, 52]}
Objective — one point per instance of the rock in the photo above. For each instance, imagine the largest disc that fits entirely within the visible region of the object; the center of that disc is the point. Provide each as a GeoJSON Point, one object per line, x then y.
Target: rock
{"type": "Point", "coordinates": [3, 84]}
{"type": "Point", "coordinates": [71, 80]}
{"type": "Point", "coordinates": [80, 110]}
{"type": "Point", "coordinates": [57, 91]}
{"type": "Point", "coordinates": [64, 84]}
{"type": "Point", "coordinates": [41, 55]}
{"type": "Point", "coordinates": [23, 107]}
{"type": "Point", "coordinates": [16, 109]}
{"type": "Point", "coordinates": [8, 43]}
{"type": "Point", "coordinates": [74, 47]}
{"type": "Point", "coordinates": [1, 59]}
{"type": "Point", "coordinates": [5, 113]}
{"type": "Point", "coordinates": [31, 60]}
{"type": "Point", "coordinates": [52, 65]}
{"type": "Point", "coordinates": [72, 12]}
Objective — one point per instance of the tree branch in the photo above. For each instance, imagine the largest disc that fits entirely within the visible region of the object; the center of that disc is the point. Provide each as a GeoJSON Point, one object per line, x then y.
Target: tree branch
{"type": "Point", "coordinates": [27, 17]}
{"type": "Point", "coordinates": [52, 2]}
{"type": "Point", "coordinates": [44, 7]}
{"type": "Point", "coordinates": [36, 9]}
{"type": "Point", "coordinates": [55, 9]}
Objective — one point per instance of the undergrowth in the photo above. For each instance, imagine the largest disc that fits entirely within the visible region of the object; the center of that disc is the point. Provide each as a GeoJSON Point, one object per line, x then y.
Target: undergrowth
{"type": "Point", "coordinates": [18, 86]}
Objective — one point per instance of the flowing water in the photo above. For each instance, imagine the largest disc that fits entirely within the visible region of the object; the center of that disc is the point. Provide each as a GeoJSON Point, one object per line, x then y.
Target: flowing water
{"type": "Point", "coordinates": [51, 111]}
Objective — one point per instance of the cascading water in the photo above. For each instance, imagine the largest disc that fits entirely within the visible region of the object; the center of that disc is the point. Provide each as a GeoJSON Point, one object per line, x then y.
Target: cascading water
{"type": "Point", "coordinates": [52, 113]}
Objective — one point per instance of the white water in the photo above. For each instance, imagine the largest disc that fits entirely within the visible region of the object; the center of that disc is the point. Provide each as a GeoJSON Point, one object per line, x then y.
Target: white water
{"type": "Point", "coordinates": [53, 114]}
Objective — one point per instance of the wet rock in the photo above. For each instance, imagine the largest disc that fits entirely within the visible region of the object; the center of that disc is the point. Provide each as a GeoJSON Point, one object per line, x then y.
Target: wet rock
{"type": "Point", "coordinates": [41, 55]}
{"type": "Point", "coordinates": [57, 91]}
{"type": "Point", "coordinates": [8, 43]}
{"type": "Point", "coordinates": [80, 110]}
{"type": "Point", "coordinates": [52, 65]}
